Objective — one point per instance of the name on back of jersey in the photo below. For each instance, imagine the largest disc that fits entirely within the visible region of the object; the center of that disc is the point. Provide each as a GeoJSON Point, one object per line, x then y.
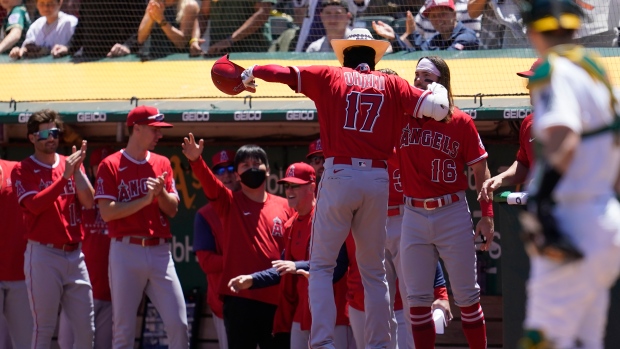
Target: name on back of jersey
{"type": "Point", "coordinates": [428, 138]}
{"type": "Point", "coordinates": [364, 80]}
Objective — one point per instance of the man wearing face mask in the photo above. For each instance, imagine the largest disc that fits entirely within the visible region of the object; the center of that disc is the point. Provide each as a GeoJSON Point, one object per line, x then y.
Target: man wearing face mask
{"type": "Point", "coordinates": [253, 225]}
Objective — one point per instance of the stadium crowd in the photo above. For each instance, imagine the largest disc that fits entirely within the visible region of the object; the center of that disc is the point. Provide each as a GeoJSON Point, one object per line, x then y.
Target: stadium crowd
{"type": "Point", "coordinates": [152, 29]}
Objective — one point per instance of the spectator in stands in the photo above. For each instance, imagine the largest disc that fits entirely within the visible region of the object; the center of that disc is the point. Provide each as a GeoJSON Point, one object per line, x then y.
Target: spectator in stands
{"type": "Point", "coordinates": [597, 27]}
{"type": "Point", "coordinates": [171, 25]}
{"type": "Point", "coordinates": [424, 26]}
{"type": "Point", "coordinates": [239, 26]}
{"type": "Point", "coordinates": [336, 18]}
{"type": "Point", "coordinates": [106, 28]}
{"type": "Point", "coordinates": [451, 34]}
{"type": "Point", "coordinates": [501, 23]}
{"type": "Point", "coordinates": [50, 34]}
{"type": "Point", "coordinates": [15, 24]}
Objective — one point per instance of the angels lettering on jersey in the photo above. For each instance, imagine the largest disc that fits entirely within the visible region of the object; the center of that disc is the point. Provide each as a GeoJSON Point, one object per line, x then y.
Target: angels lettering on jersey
{"type": "Point", "coordinates": [278, 228]}
{"type": "Point", "coordinates": [127, 191]}
{"type": "Point", "coordinates": [428, 138]}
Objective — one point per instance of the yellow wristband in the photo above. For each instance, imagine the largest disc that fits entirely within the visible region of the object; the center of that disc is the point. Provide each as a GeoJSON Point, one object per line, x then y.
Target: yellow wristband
{"type": "Point", "coordinates": [193, 40]}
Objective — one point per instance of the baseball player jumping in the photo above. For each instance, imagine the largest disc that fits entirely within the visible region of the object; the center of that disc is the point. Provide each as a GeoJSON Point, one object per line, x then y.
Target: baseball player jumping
{"type": "Point", "coordinates": [360, 111]}
{"type": "Point", "coordinates": [572, 188]}
{"type": "Point", "coordinates": [437, 222]}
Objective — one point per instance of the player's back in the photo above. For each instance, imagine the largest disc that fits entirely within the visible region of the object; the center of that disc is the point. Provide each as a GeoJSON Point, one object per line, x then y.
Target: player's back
{"type": "Point", "coordinates": [358, 109]}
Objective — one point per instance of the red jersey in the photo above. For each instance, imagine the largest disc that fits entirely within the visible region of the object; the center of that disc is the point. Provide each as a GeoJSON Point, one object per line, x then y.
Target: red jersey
{"type": "Point", "coordinates": [59, 221]}
{"type": "Point", "coordinates": [525, 154]}
{"type": "Point", "coordinates": [433, 155]}
{"type": "Point", "coordinates": [294, 288]}
{"type": "Point", "coordinates": [360, 110]}
{"type": "Point", "coordinates": [254, 232]}
{"type": "Point", "coordinates": [396, 188]}
{"type": "Point", "coordinates": [96, 248]}
{"type": "Point", "coordinates": [212, 262]}
{"type": "Point", "coordinates": [13, 228]}
{"type": "Point", "coordinates": [121, 178]}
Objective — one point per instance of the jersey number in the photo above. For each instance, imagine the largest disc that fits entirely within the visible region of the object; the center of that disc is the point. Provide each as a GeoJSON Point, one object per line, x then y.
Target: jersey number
{"type": "Point", "coordinates": [443, 170]}
{"type": "Point", "coordinates": [355, 102]}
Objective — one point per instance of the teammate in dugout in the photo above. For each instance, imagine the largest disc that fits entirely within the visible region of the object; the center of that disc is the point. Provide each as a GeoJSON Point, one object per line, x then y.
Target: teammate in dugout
{"type": "Point", "coordinates": [316, 159]}
{"type": "Point", "coordinates": [136, 195]}
{"type": "Point", "coordinates": [360, 112]}
{"type": "Point", "coordinates": [576, 126]}
{"type": "Point", "coordinates": [96, 248]}
{"type": "Point", "coordinates": [210, 241]}
{"type": "Point", "coordinates": [437, 222]}
{"type": "Point", "coordinates": [253, 224]}
{"type": "Point", "coordinates": [14, 305]}
{"type": "Point", "coordinates": [51, 189]}
{"type": "Point", "coordinates": [293, 313]}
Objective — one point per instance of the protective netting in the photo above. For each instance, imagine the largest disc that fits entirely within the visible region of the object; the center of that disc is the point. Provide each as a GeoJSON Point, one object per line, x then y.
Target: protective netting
{"type": "Point", "coordinates": [89, 30]}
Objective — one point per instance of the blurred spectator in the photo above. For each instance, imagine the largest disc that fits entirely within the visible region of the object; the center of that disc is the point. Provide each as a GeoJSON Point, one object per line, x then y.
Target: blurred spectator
{"type": "Point", "coordinates": [50, 34]}
{"type": "Point", "coordinates": [239, 26]}
{"type": "Point", "coordinates": [451, 34]}
{"type": "Point", "coordinates": [311, 27]}
{"type": "Point", "coordinates": [424, 26]}
{"type": "Point", "coordinates": [170, 26]}
{"type": "Point", "coordinates": [336, 18]}
{"type": "Point", "coordinates": [501, 23]}
{"type": "Point", "coordinates": [71, 7]}
{"type": "Point", "coordinates": [106, 27]}
{"type": "Point", "coordinates": [15, 24]}
{"type": "Point", "coordinates": [597, 26]}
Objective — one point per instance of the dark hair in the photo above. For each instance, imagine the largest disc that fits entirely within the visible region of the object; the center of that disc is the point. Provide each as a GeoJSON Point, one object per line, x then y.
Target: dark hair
{"type": "Point", "coordinates": [250, 151]}
{"type": "Point", "coordinates": [356, 55]}
{"type": "Point", "coordinates": [388, 71]}
{"type": "Point", "coordinates": [43, 117]}
{"type": "Point", "coordinates": [444, 79]}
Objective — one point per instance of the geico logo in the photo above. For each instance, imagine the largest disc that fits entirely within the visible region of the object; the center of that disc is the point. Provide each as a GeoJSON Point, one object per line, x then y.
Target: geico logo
{"type": "Point", "coordinates": [91, 117]}
{"type": "Point", "coordinates": [195, 116]}
{"type": "Point", "coordinates": [470, 112]}
{"type": "Point", "coordinates": [23, 117]}
{"type": "Point", "coordinates": [247, 115]}
{"type": "Point", "coordinates": [515, 113]}
{"type": "Point", "coordinates": [300, 115]}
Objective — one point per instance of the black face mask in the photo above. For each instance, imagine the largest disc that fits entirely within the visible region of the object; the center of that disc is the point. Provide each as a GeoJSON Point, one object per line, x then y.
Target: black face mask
{"type": "Point", "coordinates": [253, 178]}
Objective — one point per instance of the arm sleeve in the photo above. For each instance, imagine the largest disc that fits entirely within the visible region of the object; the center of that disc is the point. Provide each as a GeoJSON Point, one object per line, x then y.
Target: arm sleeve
{"type": "Point", "coordinates": [473, 149]}
{"type": "Point", "coordinates": [439, 279]}
{"type": "Point", "coordinates": [106, 183]}
{"type": "Point", "coordinates": [216, 192]}
{"type": "Point", "coordinates": [556, 104]}
{"type": "Point", "coordinates": [411, 96]}
{"type": "Point", "coordinates": [342, 264]}
{"type": "Point", "coordinates": [205, 247]}
{"type": "Point", "coordinates": [276, 73]}
{"type": "Point", "coordinates": [28, 193]}
{"type": "Point", "coordinates": [265, 278]}
{"type": "Point", "coordinates": [303, 265]}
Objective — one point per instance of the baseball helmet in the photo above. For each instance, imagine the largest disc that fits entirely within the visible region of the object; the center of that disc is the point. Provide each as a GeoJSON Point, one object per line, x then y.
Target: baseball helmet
{"type": "Point", "coordinates": [226, 76]}
{"type": "Point", "coordinates": [548, 15]}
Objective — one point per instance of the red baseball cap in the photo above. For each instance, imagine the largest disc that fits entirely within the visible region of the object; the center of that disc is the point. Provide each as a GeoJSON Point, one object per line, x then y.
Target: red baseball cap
{"type": "Point", "coordinates": [299, 173]}
{"type": "Point", "coordinates": [315, 147]}
{"type": "Point", "coordinates": [430, 4]}
{"type": "Point", "coordinates": [146, 115]}
{"type": "Point", "coordinates": [530, 73]}
{"type": "Point", "coordinates": [97, 155]}
{"type": "Point", "coordinates": [222, 157]}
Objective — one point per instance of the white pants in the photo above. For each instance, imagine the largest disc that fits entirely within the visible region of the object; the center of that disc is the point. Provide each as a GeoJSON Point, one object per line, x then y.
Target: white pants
{"type": "Point", "coordinates": [220, 330]}
{"type": "Point", "coordinates": [352, 199]}
{"type": "Point", "coordinates": [343, 337]}
{"type": "Point", "coordinates": [401, 337]}
{"type": "Point", "coordinates": [15, 315]}
{"type": "Point", "coordinates": [570, 301]}
{"type": "Point", "coordinates": [103, 327]}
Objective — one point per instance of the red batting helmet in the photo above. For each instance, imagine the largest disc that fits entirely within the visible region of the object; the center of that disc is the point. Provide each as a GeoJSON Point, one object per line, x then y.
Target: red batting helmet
{"type": "Point", "coordinates": [226, 76]}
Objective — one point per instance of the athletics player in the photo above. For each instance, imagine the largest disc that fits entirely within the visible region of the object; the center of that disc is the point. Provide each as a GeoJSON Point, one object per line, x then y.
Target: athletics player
{"type": "Point", "coordinates": [253, 224]}
{"type": "Point", "coordinates": [519, 169]}
{"type": "Point", "coordinates": [293, 313]}
{"type": "Point", "coordinates": [360, 112]}
{"type": "Point", "coordinates": [209, 241]}
{"type": "Point", "coordinates": [52, 189]}
{"type": "Point", "coordinates": [136, 195]}
{"type": "Point", "coordinates": [575, 176]}
{"type": "Point", "coordinates": [96, 248]}
{"type": "Point", "coordinates": [14, 305]}
{"type": "Point", "coordinates": [437, 223]}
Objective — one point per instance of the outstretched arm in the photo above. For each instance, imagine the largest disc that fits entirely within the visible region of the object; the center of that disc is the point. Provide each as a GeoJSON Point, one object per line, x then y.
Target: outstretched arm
{"type": "Point", "coordinates": [269, 73]}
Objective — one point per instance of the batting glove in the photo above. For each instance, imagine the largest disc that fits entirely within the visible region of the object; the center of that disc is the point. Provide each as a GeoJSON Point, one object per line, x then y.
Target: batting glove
{"type": "Point", "coordinates": [248, 77]}
{"type": "Point", "coordinates": [436, 105]}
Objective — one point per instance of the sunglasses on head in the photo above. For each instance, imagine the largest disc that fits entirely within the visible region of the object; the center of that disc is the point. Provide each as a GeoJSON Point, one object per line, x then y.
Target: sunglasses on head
{"type": "Point", "coordinates": [158, 117]}
{"type": "Point", "coordinates": [291, 186]}
{"type": "Point", "coordinates": [317, 160]}
{"type": "Point", "coordinates": [44, 134]}
{"type": "Point", "coordinates": [223, 169]}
